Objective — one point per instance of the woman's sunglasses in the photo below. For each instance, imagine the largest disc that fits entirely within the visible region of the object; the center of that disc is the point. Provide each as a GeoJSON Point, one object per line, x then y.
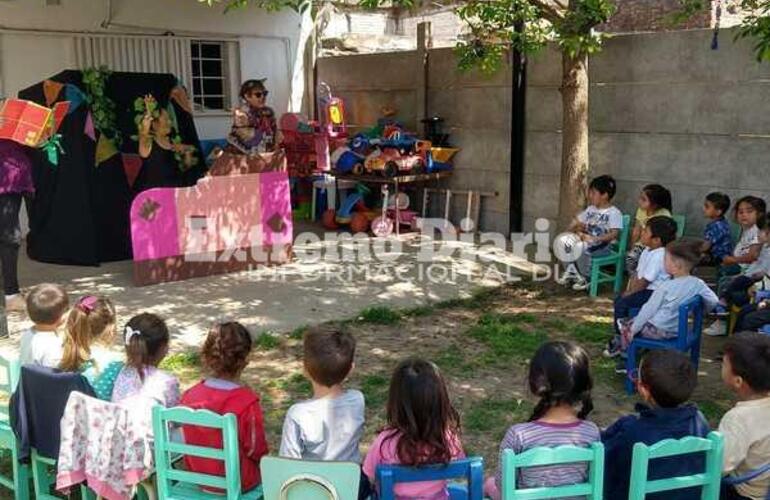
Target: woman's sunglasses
{"type": "Point", "coordinates": [259, 95]}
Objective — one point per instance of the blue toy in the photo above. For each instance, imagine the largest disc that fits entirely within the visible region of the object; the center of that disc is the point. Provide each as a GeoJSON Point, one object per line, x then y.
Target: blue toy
{"type": "Point", "coordinates": [350, 161]}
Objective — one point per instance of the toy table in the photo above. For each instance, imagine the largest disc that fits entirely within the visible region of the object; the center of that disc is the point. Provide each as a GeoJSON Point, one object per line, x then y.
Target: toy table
{"type": "Point", "coordinates": [396, 181]}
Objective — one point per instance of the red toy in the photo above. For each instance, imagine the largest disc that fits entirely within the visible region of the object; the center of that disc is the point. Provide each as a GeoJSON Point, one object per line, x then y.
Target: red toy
{"type": "Point", "coordinates": [390, 163]}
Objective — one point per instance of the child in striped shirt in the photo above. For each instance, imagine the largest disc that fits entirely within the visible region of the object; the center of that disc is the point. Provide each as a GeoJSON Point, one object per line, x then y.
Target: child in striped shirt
{"type": "Point", "coordinates": [559, 375]}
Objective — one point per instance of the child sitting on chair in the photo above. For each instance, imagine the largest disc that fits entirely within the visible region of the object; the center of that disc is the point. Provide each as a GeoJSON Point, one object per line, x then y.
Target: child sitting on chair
{"type": "Point", "coordinates": [665, 381]}
{"type": "Point", "coordinates": [746, 370]}
{"type": "Point", "coordinates": [423, 428]}
{"type": "Point", "coordinates": [718, 236]}
{"type": "Point", "coordinates": [560, 375]}
{"type": "Point", "coordinates": [90, 331]}
{"type": "Point", "coordinates": [659, 317]}
{"type": "Point", "coordinates": [650, 273]}
{"type": "Point", "coordinates": [654, 201]}
{"type": "Point", "coordinates": [225, 354]}
{"type": "Point", "coordinates": [41, 344]}
{"type": "Point", "coordinates": [329, 426]}
{"type": "Point", "coordinates": [597, 226]}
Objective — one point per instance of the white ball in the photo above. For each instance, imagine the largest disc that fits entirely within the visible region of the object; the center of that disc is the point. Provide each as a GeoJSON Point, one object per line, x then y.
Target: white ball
{"type": "Point", "coordinates": [568, 247]}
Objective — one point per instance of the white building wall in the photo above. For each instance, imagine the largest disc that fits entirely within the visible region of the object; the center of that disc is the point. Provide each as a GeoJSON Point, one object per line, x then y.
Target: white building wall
{"type": "Point", "coordinates": [30, 52]}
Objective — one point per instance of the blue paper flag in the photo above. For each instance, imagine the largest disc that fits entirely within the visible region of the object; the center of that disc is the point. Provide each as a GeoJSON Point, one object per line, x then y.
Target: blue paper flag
{"type": "Point", "coordinates": [75, 96]}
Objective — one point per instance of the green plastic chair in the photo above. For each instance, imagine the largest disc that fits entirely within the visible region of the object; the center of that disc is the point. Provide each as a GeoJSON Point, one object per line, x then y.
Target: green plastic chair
{"type": "Point", "coordinates": [616, 258]}
{"type": "Point", "coordinates": [175, 484]}
{"type": "Point", "coordinates": [592, 489]}
{"type": "Point", "coordinates": [709, 480]}
{"type": "Point", "coordinates": [18, 481]}
{"type": "Point", "coordinates": [681, 223]}
{"type": "Point", "coordinates": [290, 479]}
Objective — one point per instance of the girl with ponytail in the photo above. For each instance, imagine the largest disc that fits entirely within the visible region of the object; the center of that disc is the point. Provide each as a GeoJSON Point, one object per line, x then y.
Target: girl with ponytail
{"type": "Point", "coordinates": [140, 384]}
{"type": "Point", "coordinates": [89, 332]}
{"type": "Point", "coordinates": [560, 376]}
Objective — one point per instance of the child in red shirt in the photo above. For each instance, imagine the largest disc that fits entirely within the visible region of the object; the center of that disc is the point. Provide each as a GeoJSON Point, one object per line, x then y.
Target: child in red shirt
{"type": "Point", "coordinates": [224, 355]}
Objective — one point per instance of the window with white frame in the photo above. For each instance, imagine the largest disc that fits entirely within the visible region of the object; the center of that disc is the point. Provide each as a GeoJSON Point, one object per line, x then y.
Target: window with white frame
{"type": "Point", "coordinates": [210, 79]}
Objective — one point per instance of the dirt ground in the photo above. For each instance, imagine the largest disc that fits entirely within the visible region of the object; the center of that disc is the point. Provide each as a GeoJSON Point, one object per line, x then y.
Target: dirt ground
{"type": "Point", "coordinates": [482, 345]}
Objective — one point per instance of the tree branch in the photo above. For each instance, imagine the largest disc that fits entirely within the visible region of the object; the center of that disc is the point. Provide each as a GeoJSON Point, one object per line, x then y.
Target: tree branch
{"type": "Point", "coordinates": [549, 11]}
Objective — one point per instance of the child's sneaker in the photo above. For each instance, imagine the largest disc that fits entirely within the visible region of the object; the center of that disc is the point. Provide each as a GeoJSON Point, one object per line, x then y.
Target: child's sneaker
{"type": "Point", "coordinates": [620, 367]}
{"type": "Point", "coordinates": [580, 284]}
{"type": "Point", "coordinates": [717, 329]}
{"type": "Point", "coordinates": [613, 348]}
{"type": "Point", "coordinates": [564, 280]}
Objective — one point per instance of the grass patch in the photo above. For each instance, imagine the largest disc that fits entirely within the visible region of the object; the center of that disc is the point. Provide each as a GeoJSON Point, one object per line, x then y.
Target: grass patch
{"type": "Point", "coordinates": [506, 339]}
{"type": "Point", "coordinates": [181, 361]}
{"type": "Point", "coordinates": [379, 315]}
{"type": "Point", "coordinates": [297, 386]}
{"type": "Point", "coordinates": [267, 341]}
{"type": "Point", "coordinates": [375, 389]}
{"type": "Point", "coordinates": [488, 414]}
{"type": "Point", "coordinates": [419, 311]}
{"type": "Point", "coordinates": [454, 360]}
{"type": "Point", "coordinates": [527, 318]}
{"type": "Point", "coordinates": [298, 333]}
{"type": "Point", "coordinates": [592, 332]}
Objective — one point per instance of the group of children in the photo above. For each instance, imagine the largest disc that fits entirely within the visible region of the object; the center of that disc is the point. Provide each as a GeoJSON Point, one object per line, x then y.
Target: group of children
{"type": "Point", "coordinates": [422, 426]}
{"type": "Point", "coordinates": [660, 266]}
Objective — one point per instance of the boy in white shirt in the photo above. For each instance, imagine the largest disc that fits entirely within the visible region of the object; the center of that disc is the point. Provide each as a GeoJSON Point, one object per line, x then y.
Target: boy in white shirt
{"type": "Point", "coordinates": [746, 370]}
{"type": "Point", "coordinates": [650, 273]}
{"type": "Point", "coordinates": [329, 426]}
{"type": "Point", "coordinates": [597, 226]}
{"type": "Point", "coordinates": [47, 305]}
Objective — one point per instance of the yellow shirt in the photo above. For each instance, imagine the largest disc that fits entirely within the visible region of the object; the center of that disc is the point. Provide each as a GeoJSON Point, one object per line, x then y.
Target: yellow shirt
{"type": "Point", "coordinates": [747, 443]}
{"type": "Point", "coordinates": [642, 217]}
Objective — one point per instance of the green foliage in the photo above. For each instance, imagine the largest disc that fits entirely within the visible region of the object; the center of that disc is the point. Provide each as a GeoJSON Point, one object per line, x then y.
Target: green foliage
{"type": "Point", "coordinates": [298, 333]}
{"type": "Point", "coordinates": [103, 109]}
{"type": "Point", "coordinates": [379, 315]}
{"type": "Point", "coordinates": [592, 332]}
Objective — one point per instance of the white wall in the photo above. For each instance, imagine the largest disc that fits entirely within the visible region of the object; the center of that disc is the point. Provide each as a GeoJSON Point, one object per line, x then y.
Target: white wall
{"type": "Point", "coordinates": [268, 40]}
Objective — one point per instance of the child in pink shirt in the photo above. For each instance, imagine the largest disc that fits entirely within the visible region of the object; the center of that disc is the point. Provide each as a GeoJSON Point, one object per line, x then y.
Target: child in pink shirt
{"type": "Point", "coordinates": [423, 428]}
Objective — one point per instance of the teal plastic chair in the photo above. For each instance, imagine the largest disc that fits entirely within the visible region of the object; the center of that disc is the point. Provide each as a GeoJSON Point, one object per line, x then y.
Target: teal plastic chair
{"type": "Point", "coordinates": [592, 489]}
{"type": "Point", "coordinates": [616, 259]}
{"type": "Point", "coordinates": [175, 484]}
{"type": "Point", "coordinates": [290, 479]}
{"type": "Point", "coordinates": [709, 480]}
{"type": "Point", "coordinates": [18, 481]}
{"type": "Point", "coordinates": [681, 223]}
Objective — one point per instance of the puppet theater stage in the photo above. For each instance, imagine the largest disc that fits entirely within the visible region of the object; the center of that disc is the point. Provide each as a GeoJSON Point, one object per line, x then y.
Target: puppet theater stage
{"type": "Point", "coordinates": [103, 202]}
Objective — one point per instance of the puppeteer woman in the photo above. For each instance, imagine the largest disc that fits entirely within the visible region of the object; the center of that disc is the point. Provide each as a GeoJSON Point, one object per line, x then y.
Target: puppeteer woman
{"type": "Point", "coordinates": [254, 126]}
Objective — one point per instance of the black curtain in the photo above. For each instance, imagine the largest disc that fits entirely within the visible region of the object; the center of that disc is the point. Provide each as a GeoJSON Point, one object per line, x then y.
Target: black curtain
{"type": "Point", "coordinates": [80, 213]}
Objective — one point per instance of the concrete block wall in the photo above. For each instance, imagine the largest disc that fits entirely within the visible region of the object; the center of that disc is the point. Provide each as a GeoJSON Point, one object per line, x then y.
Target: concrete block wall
{"type": "Point", "coordinates": [664, 108]}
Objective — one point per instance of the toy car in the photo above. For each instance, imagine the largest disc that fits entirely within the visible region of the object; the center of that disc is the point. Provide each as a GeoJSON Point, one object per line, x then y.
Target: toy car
{"type": "Point", "coordinates": [390, 162]}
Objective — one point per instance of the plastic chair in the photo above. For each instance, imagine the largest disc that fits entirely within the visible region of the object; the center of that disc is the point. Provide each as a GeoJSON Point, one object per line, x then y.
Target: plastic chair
{"type": "Point", "coordinates": [709, 480]}
{"type": "Point", "coordinates": [681, 222]}
{"type": "Point", "coordinates": [615, 258]}
{"type": "Point", "coordinates": [471, 469]}
{"type": "Point", "coordinates": [535, 457]}
{"type": "Point", "coordinates": [759, 297]}
{"type": "Point", "coordinates": [18, 481]}
{"type": "Point", "coordinates": [176, 484]}
{"type": "Point", "coordinates": [745, 478]}
{"type": "Point", "coordinates": [292, 479]}
{"type": "Point", "coordinates": [687, 340]}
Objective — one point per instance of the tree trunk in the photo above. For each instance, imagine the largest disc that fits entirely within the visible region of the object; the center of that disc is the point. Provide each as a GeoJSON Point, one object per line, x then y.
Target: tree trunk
{"type": "Point", "coordinates": [574, 137]}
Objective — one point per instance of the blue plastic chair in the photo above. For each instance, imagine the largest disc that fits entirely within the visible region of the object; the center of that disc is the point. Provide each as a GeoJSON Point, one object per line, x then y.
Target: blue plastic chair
{"type": "Point", "coordinates": [763, 295]}
{"type": "Point", "coordinates": [745, 478]}
{"type": "Point", "coordinates": [471, 469]}
{"type": "Point", "coordinates": [687, 340]}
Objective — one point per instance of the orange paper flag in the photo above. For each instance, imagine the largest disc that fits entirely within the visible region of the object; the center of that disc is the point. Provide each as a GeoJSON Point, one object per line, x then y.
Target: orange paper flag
{"type": "Point", "coordinates": [51, 90]}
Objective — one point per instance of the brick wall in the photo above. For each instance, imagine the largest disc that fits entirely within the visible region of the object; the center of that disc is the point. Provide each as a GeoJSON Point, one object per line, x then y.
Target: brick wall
{"type": "Point", "coordinates": [652, 15]}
